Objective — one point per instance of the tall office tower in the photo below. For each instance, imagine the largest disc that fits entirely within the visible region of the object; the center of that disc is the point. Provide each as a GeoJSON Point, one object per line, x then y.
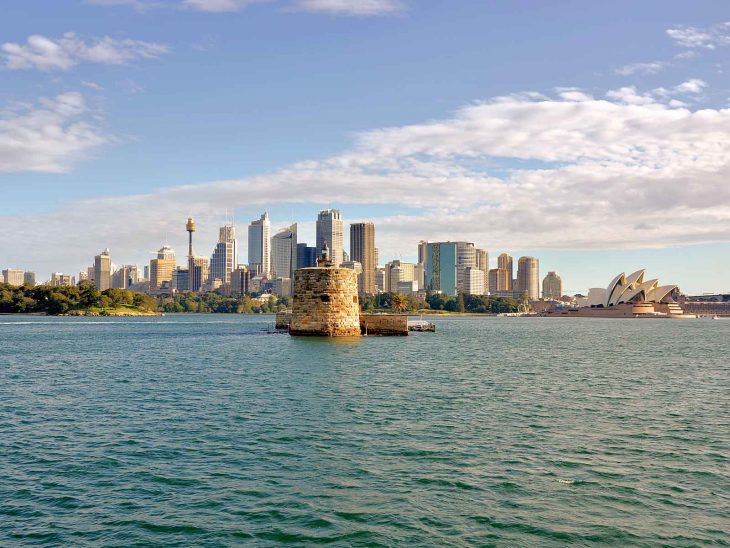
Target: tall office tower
{"type": "Point", "coordinates": [147, 272]}
{"type": "Point", "coordinates": [12, 276]}
{"type": "Point", "coordinates": [125, 276]}
{"type": "Point", "coordinates": [329, 229]}
{"type": "Point", "coordinates": [504, 261]}
{"type": "Point", "coordinates": [29, 279]}
{"type": "Point", "coordinates": [422, 260]}
{"type": "Point", "coordinates": [83, 276]}
{"type": "Point", "coordinates": [499, 282]}
{"type": "Point", "coordinates": [58, 279]}
{"type": "Point", "coordinates": [103, 270]}
{"type": "Point", "coordinates": [380, 280]}
{"type": "Point", "coordinates": [180, 279]}
{"type": "Point", "coordinates": [284, 252]}
{"type": "Point", "coordinates": [362, 250]}
{"type": "Point", "coordinates": [259, 240]}
{"type": "Point", "coordinates": [90, 274]}
{"type": "Point", "coordinates": [198, 273]}
{"type": "Point", "coordinates": [240, 280]}
{"type": "Point", "coordinates": [162, 267]}
{"type": "Point", "coordinates": [441, 262]}
{"type": "Point", "coordinates": [224, 259]}
{"type": "Point", "coordinates": [357, 267]}
{"type": "Point", "coordinates": [423, 251]}
{"type": "Point", "coordinates": [483, 265]}
{"type": "Point", "coordinates": [552, 286]}
{"type": "Point", "coordinates": [396, 272]}
{"type": "Point", "coordinates": [465, 258]}
{"type": "Point", "coordinates": [474, 281]}
{"type": "Point", "coordinates": [528, 277]}
{"type": "Point", "coordinates": [306, 256]}
{"type": "Point", "coordinates": [377, 257]}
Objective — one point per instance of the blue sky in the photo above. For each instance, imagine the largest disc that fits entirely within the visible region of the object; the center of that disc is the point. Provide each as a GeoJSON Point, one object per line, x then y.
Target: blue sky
{"type": "Point", "coordinates": [387, 109]}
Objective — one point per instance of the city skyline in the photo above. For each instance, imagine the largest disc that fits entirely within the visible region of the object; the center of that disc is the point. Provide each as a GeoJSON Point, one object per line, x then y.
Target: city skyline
{"type": "Point", "coordinates": [448, 267]}
{"type": "Point", "coordinates": [119, 118]}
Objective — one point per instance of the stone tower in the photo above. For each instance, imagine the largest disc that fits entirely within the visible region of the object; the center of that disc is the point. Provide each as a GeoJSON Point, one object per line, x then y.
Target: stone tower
{"type": "Point", "coordinates": [325, 301]}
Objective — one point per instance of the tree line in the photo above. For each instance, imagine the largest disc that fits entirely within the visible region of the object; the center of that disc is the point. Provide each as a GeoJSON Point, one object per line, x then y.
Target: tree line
{"type": "Point", "coordinates": [86, 297]}
{"type": "Point", "coordinates": [476, 304]}
{"type": "Point", "coordinates": [62, 300]}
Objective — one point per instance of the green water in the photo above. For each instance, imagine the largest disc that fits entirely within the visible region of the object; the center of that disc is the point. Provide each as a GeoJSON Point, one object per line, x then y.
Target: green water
{"type": "Point", "coordinates": [206, 431]}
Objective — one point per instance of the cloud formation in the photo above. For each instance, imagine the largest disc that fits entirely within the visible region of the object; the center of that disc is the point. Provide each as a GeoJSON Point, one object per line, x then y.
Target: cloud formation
{"type": "Point", "coordinates": [350, 7]}
{"type": "Point", "coordinates": [43, 53]}
{"type": "Point", "coordinates": [652, 67]}
{"type": "Point", "coordinates": [712, 37]}
{"type": "Point", "coordinates": [521, 171]}
{"type": "Point", "coordinates": [50, 136]}
{"type": "Point", "coordinates": [334, 7]}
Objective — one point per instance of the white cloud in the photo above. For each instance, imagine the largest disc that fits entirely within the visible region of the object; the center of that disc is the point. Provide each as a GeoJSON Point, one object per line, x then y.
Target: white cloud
{"type": "Point", "coordinates": [572, 174]}
{"type": "Point", "coordinates": [335, 7]}
{"type": "Point", "coordinates": [642, 68]}
{"type": "Point", "coordinates": [50, 136]}
{"type": "Point", "coordinates": [219, 6]}
{"type": "Point", "coordinates": [44, 53]}
{"type": "Point", "coordinates": [350, 7]}
{"type": "Point", "coordinates": [694, 85]}
{"type": "Point", "coordinates": [711, 37]}
{"type": "Point", "coordinates": [92, 85]}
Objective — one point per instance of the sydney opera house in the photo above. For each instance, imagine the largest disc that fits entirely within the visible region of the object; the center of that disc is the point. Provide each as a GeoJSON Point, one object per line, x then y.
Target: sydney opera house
{"type": "Point", "coordinates": [630, 297]}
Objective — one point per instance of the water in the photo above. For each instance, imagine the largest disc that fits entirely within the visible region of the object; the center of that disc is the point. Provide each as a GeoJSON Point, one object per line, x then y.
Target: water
{"type": "Point", "coordinates": [202, 430]}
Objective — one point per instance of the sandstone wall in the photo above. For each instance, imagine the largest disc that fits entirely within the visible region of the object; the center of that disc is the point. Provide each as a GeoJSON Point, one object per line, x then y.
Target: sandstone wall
{"type": "Point", "coordinates": [325, 303]}
{"type": "Point", "coordinates": [383, 324]}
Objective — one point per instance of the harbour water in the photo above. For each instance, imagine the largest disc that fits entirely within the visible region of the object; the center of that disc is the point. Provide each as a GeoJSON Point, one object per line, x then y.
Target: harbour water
{"type": "Point", "coordinates": [205, 430]}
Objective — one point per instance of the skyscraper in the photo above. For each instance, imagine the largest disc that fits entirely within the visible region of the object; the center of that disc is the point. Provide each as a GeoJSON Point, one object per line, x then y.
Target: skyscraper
{"type": "Point", "coordinates": [103, 270]}
{"type": "Point", "coordinates": [225, 256]}
{"type": "Point", "coordinates": [504, 262]}
{"type": "Point", "coordinates": [29, 279]}
{"type": "Point", "coordinates": [306, 256]}
{"type": "Point", "coordinates": [125, 276]}
{"type": "Point", "coordinates": [441, 263]}
{"type": "Point", "coordinates": [12, 276]}
{"type": "Point", "coordinates": [528, 277]}
{"type": "Point", "coordinates": [362, 250]}
{"type": "Point", "coordinates": [329, 229]}
{"type": "Point", "coordinates": [162, 267]}
{"type": "Point", "coordinates": [396, 272]}
{"type": "Point", "coordinates": [473, 281]}
{"type": "Point", "coordinates": [552, 286]}
{"type": "Point", "coordinates": [483, 265]}
{"type": "Point", "coordinates": [499, 282]}
{"type": "Point", "coordinates": [259, 236]}
{"type": "Point", "coordinates": [284, 253]}
{"type": "Point", "coordinates": [198, 273]}
{"type": "Point", "coordinates": [465, 258]}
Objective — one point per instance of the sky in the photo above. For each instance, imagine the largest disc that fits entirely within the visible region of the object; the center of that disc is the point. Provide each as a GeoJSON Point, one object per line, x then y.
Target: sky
{"type": "Point", "coordinates": [592, 135]}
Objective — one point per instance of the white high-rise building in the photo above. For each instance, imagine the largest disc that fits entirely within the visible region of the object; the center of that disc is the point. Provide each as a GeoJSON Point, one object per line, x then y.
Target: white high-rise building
{"type": "Point", "coordinates": [474, 281]}
{"type": "Point", "coordinates": [13, 276]}
{"type": "Point", "coordinates": [284, 253]}
{"type": "Point", "coordinates": [259, 242]}
{"type": "Point", "coordinates": [466, 257]}
{"type": "Point", "coordinates": [225, 257]}
{"type": "Point", "coordinates": [329, 229]}
{"type": "Point", "coordinates": [396, 272]}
